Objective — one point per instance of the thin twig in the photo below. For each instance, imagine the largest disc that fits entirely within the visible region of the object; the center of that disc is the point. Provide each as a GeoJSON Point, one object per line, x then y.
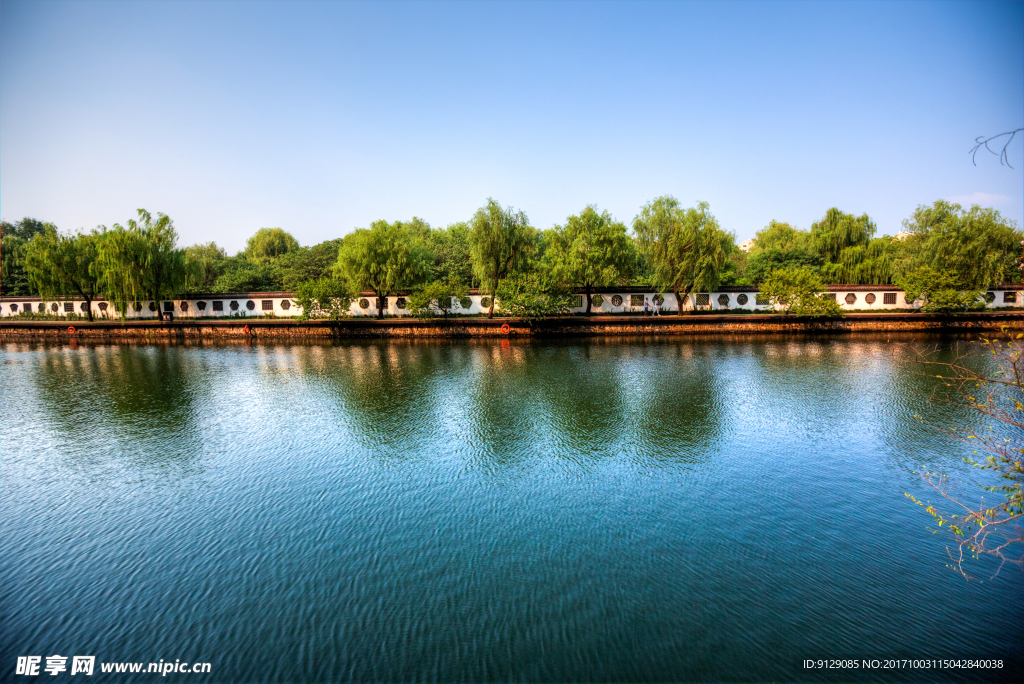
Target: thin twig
{"type": "Point", "coordinates": [982, 141]}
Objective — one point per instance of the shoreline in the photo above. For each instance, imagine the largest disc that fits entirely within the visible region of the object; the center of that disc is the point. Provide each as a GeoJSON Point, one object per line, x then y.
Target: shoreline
{"type": "Point", "coordinates": [568, 326]}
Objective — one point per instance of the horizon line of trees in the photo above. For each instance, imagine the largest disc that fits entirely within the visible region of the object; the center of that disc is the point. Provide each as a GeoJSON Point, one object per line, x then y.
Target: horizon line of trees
{"type": "Point", "coordinates": [668, 248]}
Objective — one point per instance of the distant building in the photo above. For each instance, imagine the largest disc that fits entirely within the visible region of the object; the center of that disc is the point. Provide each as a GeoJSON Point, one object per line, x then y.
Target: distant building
{"type": "Point", "coordinates": [902, 235]}
{"type": "Point", "coordinates": [747, 245]}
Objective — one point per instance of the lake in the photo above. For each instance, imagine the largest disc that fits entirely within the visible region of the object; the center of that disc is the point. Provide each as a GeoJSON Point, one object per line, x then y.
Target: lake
{"type": "Point", "coordinates": [588, 510]}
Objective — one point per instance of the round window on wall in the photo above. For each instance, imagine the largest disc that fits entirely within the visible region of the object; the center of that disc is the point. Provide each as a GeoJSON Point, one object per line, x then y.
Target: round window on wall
{"type": "Point", "coordinates": [103, 306]}
{"type": "Point", "coordinates": [485, 302]}
{"type": "Point", "coordinates": [250, 305]}
{"type": "Point", "coordinates": [870, 298]}
{"type": "Point", "coordinates": [851, 298]}
{"type": "Point", "coordinates": [152, 306]}
{"type": "Point", "coordinates": [183, 306]}
{"type": "Point", "coordinates": [742, 299]}
{"type": "Point", "coordinates": [617, 300]}
{"type": "Point", "coordinates": [234, 306]}
{"type": "Point", "coordinates": [597, 300]}
{"type": "Point", "coordinates": [286, 304]}
{"type": "Point", "coordinates": [723, 300]}
{"type": "Point", "coordinates": [400, 303]}
{"type": "Point", "coordinates": [364, 303]}
{"type": "Point", "coordinates": [201, 305]}
{"type": "Point", "coordinates": [659, 300]}
{"type": "Point", "coordinates": [466, 303]}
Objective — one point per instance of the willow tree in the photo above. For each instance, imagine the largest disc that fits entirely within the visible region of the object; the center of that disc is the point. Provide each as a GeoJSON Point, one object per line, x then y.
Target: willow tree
{"type": "Point", "coordinates": [500, 242]}
{"type": "Point", "coordinates": [978, 247]}
{"type": "Point", "coordinates": [687, 248]}
{"type": "Point", "coordinates": [141, 261]}
{"type": "Point", "coordinates": [385, 258]}
{"type": "Point", "coordinates": [590, 251]}
{"type": "Point", "coordinates": [836, 238]}
{"type": "Point", "coordinates": [61, 266]}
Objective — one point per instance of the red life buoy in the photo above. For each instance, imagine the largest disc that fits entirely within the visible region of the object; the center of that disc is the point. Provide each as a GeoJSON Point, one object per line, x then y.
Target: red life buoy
{"type": "Point", "coordinates": [71, 330]}
{"type": "Point", "coordinates": [246, 330]}
{"type": "Point", "coordinates": [505, 329]}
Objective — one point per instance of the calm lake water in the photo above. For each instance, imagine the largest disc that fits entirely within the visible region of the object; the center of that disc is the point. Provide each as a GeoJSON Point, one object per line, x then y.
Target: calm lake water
{"type": "Point", "coordinates": [591, 510]}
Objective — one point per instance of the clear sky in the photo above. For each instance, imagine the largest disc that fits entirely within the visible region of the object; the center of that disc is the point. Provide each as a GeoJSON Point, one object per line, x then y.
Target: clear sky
{"type": "Point", "coordinates": [322, 117]}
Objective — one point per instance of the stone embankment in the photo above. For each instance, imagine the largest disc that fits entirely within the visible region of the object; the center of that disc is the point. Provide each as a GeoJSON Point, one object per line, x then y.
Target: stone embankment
{"type": "Point", "coordinates": [270, 328]}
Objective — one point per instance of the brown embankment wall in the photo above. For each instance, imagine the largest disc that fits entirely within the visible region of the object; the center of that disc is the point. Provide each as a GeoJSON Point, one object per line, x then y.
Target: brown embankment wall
{"type": "Point", "coordinates": [183, 329]}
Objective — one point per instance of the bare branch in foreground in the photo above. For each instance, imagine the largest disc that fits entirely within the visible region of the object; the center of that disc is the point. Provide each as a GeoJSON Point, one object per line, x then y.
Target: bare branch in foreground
{"type": "Point", "coordinates": [982, 141]}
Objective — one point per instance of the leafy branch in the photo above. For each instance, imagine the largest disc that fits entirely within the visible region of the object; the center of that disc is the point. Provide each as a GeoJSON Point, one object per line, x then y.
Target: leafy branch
{"type": "Point", "coordinates": [979, 529]}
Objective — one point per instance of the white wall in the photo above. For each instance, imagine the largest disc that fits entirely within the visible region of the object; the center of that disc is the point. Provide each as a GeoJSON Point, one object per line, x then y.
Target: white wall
{"type": "Point", "coordinates": [189, 308]}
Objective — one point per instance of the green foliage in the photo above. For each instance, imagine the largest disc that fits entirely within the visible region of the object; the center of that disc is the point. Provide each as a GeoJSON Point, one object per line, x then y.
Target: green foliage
{"type": "Point", "coordinates": [866, 264]}
{"type": "Point", "coordinates": [385, 258]}
{"type": "Point", "coordinates": [269, 243]}
{"type": "Point", "coordinates": [452, 254]}
{"type": "Point", "coordinates": [501, 242]}
{"type": "Point", "coordinates": [590, 251]}
{"type": "Point", "coordinates": [438, 297]}
{"type": "Point", "coordinates": [687, 249]}
{"type": "Point", "coordinates": [218, 273]}
{"type": "Point", "coordinates": [779, 245]}
{"type": "Point", "coordinates": [307, 263]}
{"type": "Point", "coordinates": [978, 248]}
{"type": "Point", "coordinates": [837, 231]}
{"type": "Point", "coordinates": [207, 262]}
{"type": "Point", "coordinates": [15, 237]}
{"type": "Point", "coordinates": [140, 261]}
{"type": "Point", "coordinates": [761, 262]}
{"type": "Point", "coordinates": [242, 275]}
{"type": "Point", "coordinates": [62, 266]}
{"type": "Point", "coordinates": [13, 276]}
{"type": "Point", "coordinates": [532, 297]}
{"type": "Point", "coordinates": [25, 229]}
{"type": "Point", "coordinates": [939, 291]}
{"type": "Point", "coordinates": [798, 292]}
{"type": "Point", "coordinates": [323, 298]}
{"type": "Point", "coordinates": [783, 237]}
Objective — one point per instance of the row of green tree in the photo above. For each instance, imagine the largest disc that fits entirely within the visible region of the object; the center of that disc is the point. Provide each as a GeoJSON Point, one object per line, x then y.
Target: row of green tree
{"type": "Point", "coordinates": [670, 248]}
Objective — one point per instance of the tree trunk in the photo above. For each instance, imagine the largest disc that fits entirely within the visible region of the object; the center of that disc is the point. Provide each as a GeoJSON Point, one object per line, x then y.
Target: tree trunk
{"type": "Point", "coordinates": [88, 301]}
{"type": "Point", "coordinates": [679, 300]}
{"type": "Point", "coordinates": [587, 290]}
{"type": "Point", "coordinates": [494, 292]}
{"type": "Point", "coordinates": [380, 306]}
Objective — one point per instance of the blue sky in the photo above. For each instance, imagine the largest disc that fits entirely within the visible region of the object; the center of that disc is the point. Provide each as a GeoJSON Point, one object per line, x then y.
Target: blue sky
{"type": "Point", "coordinates": [322, 117]}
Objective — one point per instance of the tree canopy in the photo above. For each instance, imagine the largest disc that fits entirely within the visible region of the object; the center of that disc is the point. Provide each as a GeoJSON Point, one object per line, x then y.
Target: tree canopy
{"type": "Point", "coordinates": [799, 292]}
{"type": "Point", "coordinates": [670, 248]}
{"type": "Point", "coordinates": [976, 247]}
{"type": "Point", "coordinates": [269, 243]}
{"type": "Point", "coordinates": [15, 237]}
{"type": "Point", "coordinates": [384, 258]}
{"type": "Point", "coordinates": [501, 242]}
{"type": "Point", "coordinates": [61, 266]}
{"type": "Point", "coordinates": [141, 261]}
{"type": "Point", "coordinates": [590, 251]}
{"type": "Point", "coordinates": [686, 248]}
